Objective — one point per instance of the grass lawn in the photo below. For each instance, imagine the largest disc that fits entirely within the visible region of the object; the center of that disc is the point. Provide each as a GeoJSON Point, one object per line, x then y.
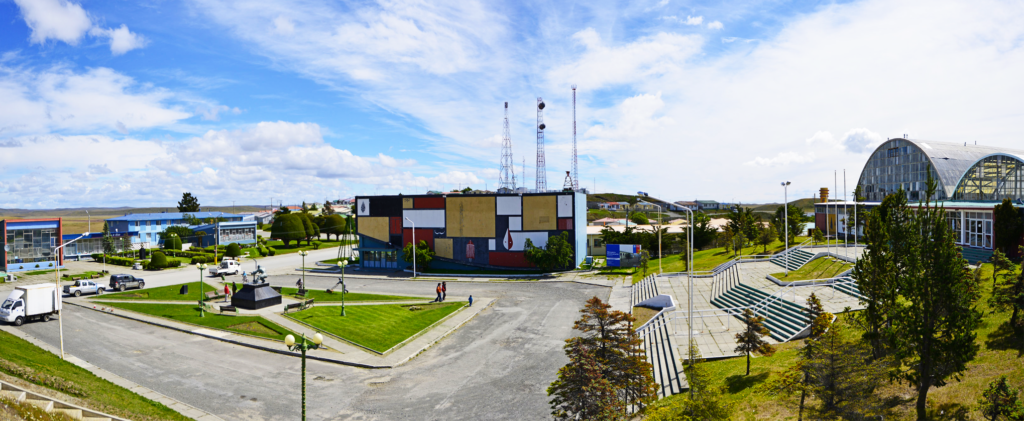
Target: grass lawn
{"type": "Point", "coordinates": [85, 275]}
{"type": "Point", "coordinates": [167, 293]}
{"type": "Point", "coordinates": [352, 297]}
{"type": "Point", "coordinates": [296, 246]}
{"type": "Point", "coordinates": [820, 268]}
{"type": "Point", "coordinates": [38, 272]}
{"type": "Point", "coordinates": [99, 394]}
{"type": "Point", "coordinates": [998, 355]}
{"type": "Point", "coordinates": [351, 261]}
{"type": "Point", "coordinates": [377, 327]}
{"type": "Point", "coordinates": [252, 325]}
{"type": "Point", "coordinates": [705, 260]}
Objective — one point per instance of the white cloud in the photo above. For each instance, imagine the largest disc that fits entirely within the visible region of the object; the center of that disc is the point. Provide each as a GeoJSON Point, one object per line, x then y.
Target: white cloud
{"type": "Point", "coordinates": [694, 20]}
{"type": "Point", "coordinates": [783, 158]}
{"type": "Point", "coordinates": [284, 25]}
{"type": "Point", "coordinates": [122, 40]}
{"type": "Point", "coordinates": [861, 140]}
{"type": "Point", "coordinates": [715, 25]}
{"type": "Point", "coordinates": [601, 65]}
{"type": "Point", "coordinates": [54, 19]}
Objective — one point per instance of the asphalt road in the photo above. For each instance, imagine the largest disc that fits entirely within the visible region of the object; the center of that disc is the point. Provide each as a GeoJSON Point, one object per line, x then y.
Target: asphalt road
{"type": "Point", "coordinates": [497, 366]}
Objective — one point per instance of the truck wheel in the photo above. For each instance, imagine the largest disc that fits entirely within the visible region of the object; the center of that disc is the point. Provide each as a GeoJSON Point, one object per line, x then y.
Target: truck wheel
{"type": "Point", "coordinates": [78, 293]}
{"type": "Point", "coordinates": [142, 285]}
{"type": "Point", "coordinates": [46, 318]}
{"type": "Point", "coordinates": [19, 321]}
{"type": "Point", "coordinates": [121, 287]}
{"type": "Point", "coordinates": [99, 291]}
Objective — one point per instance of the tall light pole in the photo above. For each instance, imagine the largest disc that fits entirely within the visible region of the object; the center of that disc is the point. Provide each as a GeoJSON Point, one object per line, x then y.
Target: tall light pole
{"type": "Point", "coordinates": [201, 267]}
{"type": "Point", "coordinates": [60, 315]}
{"type": "Point", "coordinates": [689, 292]}
{"type": "Point", "coordinates": [785, 223]}
{"type": "Point", "coordinates": [289, 341]}
{"type": "Point", "coordinates": [343, 289]}
{"type": "Point", "coordinates": [303, 253]}
{"type": "Point", "coordinates": [413, 246]}
{"type": "Point", "coordinates": [659, 240]}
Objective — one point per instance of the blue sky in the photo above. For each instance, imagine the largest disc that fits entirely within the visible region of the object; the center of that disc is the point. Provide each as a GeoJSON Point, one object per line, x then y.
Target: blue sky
{"type": "Point", "coordinates": [132, 103]}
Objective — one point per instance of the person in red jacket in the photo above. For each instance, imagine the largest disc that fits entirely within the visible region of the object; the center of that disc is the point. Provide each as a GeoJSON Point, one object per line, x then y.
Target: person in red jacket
{"type": "Point", "coordinates": [444, 290]}
{"type": "Point", "coordinates": [227, 293]}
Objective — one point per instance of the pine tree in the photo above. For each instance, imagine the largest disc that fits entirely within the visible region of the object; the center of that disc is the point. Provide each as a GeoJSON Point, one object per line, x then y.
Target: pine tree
{"type": "Point", "coordinates": [1007, 228]}
{"type": "Point", "coordinates": [1008, 294]}
{"type": "Point", "coordinates": [188, 203]}
{"type": "Point", "coordinates": [581, 391]}
{"type": "Point", "coordinates": [767, 236]}
{"type": "Point", "coordinates": [1000, 401]}
{"type": "Point", "coordinates": [1000, 263]}
{"type": "Point", "coordinates": [751, 341]}
{"type": "Point", "coordinates": [842, 374]}
{"type": "Point", "coordinates": [820, 322]}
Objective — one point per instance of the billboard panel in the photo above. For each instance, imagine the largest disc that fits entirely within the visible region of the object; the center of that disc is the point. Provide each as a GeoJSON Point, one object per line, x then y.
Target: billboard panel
{"type": "Point", "coordinates": [565, 206]}
{"type": "Point", "coordinates": [539, 213]}
{"type": "Point", "coordinates": [470, 217]}
{"type": "Point", "coordinates": [374, 227]}
{"type": "Point", "coordinates": [423, 218]}
{"type": "Point", "coordinates": [622, 255]}
{"type": "Point", "coordinates": [510, 205]}
{"type": "Point", "coordinates": [443, 247]}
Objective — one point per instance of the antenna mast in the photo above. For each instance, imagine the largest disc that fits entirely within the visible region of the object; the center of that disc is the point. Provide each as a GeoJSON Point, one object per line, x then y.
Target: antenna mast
{"type": "Point", "coordinates": [506, 176]}
{"type": "Point", "coordinates": [575, 170]}
{"type": "Point", "coordinates": [542, 181]}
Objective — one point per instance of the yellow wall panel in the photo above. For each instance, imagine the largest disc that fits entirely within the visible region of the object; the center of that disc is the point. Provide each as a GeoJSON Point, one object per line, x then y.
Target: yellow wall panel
{"type": "Point", "coordinates": [443, 248]}
{"type": "Point", "coordinates": [406, 203]}
{"type": "Point", "coordinates": [375, 227]}
{"type": "Point", "coordinates": [471, 216]}
{"type": "Point", "coordinates": [539, 213]}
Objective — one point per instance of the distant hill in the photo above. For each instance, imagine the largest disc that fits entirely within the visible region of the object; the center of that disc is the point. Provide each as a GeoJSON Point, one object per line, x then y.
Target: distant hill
{"type": "Point", "coordinates": [806, 205]}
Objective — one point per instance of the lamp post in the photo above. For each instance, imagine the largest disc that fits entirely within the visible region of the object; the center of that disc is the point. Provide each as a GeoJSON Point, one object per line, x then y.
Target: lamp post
{"type": "Point", "coordinates": [413, 246]}
{"type": "Point", "coordinates": [785, 223]}
{"type": "Point", "coordinates": [60, 318]}
{"type": "Point", "coordinates": [659, 239]}
{"type": "Point", "coordinates": [303, 346]}
{"type": "Point", "coordinates": [344, 263]}
{"type": "Point", "coordinates": [201, 267]}
{"type": "Point", "coordinates": [689, 291]}
{"type": "Point", "coordinates": [303, 253]}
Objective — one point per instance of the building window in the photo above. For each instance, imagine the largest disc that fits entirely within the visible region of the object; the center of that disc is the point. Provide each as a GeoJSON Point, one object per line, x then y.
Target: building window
{"type": "Point", "coordinates": [979, 229]}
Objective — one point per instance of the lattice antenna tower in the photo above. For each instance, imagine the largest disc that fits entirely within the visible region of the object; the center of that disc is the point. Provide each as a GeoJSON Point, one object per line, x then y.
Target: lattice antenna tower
{"type": "Point", "coordinates": [575, 169]}
{"type": "Point", "coordinates": [542, 179]}
{"type": "Point", "coordinates": [507, 174]}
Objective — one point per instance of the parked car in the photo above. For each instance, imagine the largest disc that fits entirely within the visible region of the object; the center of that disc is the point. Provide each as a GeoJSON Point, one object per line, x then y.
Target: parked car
{"type": "Point", "coordinates": [227, 267]}
{"type": "Point", "coordinates": [121, 282]}
{"type": "Point", "coordinates": [83, 287]}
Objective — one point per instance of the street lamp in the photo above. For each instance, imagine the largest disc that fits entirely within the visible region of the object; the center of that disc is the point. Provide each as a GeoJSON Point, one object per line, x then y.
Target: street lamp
{"type": "Point", "coordinates": [689, 291]}
{"type": "Point", "coordinates": [289, 341]}
{"type": "Point", "coordinates": [413, 246]}
{"type": "Point", "coordinates": [201, 267]}
{"type": "Point", "coordinates": [303, 253]}
{"type": "Point", "coordinates": [785, 223]}
{"type": "Point", "coordinates": [344, 263]}
{"type": "Point", "coordinates": [60, 316]}
{"type": "Point", "coordinates": [659, 239]}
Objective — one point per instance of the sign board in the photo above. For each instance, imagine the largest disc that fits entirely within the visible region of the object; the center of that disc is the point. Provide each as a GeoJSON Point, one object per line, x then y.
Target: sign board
{"type": "Point", "coordinates": [623, 255]}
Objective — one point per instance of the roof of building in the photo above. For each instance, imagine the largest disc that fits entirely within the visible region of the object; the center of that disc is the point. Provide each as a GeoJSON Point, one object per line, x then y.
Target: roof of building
{"type": "Point", "coordinates": [172, 215]}
{"type": "Point", "coordinates": [951, 160]}
{"type": "Point", "coordinates": [706, 202]}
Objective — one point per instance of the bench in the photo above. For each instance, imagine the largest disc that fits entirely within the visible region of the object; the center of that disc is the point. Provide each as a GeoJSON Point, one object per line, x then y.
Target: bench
{"type": "Point", "coordinates": [299, 306]}
{"type": "Point", "coordinates": [231, 310]}
{"type": "Point", "coordinates": [213, 294]}
{"type": "Point", "coordinates": [76, 278]}
{"type": "Point", "coordinates": [301, 293]}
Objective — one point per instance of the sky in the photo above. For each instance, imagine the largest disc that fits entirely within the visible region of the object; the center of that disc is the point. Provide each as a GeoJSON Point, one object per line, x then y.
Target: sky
{"type": "Point", "coordinates": [132, 103]}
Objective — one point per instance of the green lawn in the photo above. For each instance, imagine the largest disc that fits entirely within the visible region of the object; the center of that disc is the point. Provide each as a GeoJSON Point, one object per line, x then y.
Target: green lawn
{"type": "Point", "coordinates": [323, 296]}
{"type": "Point", "coordinates": [252, 325]}
{"type": "Point", "coordinates": [296, 246]}
{"type": "Point", "coordinates": [820, 268]}
{"type": "Point", "coordinates": [351, 261]}
{"type": "Point", "coordinates": [167, 293]}
{"type": "Point", "coordinates": [377, 327]}
{"type": "Point", "coordinates": [999, 355]}
{"type": "Point", "coordinates": [38, 272]}
{"type": "Point", "coordinates": [706, 260]}
{"type": "Point", "coordinates": [87, 275]}
{"type": "Point", "coordinates": [100, 395]}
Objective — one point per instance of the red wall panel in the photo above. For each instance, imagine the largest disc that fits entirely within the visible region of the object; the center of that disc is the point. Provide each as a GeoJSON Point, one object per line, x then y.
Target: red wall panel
{"type": "Point", "coordinates": [396, 225]}
{"type": "Point", "coordinates": [428, 202]}
{"type": "Point", "coordinates": [422, 234]}
{"type": "Point", "coordinates": [820, 222]}
{"type": "Point", "coordinates": [515, 259]}
{"type": "Point", "coordinates": [565, 223]}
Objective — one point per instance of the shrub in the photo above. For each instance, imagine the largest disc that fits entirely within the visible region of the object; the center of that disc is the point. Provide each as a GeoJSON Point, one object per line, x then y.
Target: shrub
{"type": "Point", "coordinates": [197, 260]}
{"type": "Point", "coordinates": [316, 245]}
{"type": "Point", "coordinates": [233, 250]}
{"type": "Point", "coordinates": [158, 261]}
{"type": "Point", "coordinates": [172, 242]}
{"type": "Point", "coordinates": [271, 251]}
{"type": "Point", "coordinates": [173, 264]}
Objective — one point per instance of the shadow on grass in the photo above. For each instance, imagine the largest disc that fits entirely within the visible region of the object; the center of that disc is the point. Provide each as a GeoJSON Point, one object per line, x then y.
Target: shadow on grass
{"type": "Point", "coordinates": [1004, 338]}
{"type": "Point", "coordinates": [949, 411]}
{"type": "Point", "coordinates": [738, 382]}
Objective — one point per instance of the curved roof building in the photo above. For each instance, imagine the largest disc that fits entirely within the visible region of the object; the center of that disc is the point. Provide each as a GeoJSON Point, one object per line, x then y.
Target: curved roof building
{"type": "Point", "coordinates": [963, 171]}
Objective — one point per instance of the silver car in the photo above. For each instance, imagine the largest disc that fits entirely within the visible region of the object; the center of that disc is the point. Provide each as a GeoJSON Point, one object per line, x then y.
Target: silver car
{"type": "Point", "coordinates": [83, 287]}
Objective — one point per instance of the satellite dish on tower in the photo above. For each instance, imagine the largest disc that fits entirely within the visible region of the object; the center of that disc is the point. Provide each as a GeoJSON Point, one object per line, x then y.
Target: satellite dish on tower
{"type": "Point", "coordinates": [541, 105]}
{"type": "Point", "coordinates": [542, 126]}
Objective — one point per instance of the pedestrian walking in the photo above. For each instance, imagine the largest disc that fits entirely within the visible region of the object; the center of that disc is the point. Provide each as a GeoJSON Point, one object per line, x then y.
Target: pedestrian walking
{"type": "Point", "coordinates": [444, 290]}
{"type": "Point", "coordinates": [471, 301]}
{"type": "Point", "coordinates": [438, 299]}
{"type": "Point", "coordinates": [227, 293]}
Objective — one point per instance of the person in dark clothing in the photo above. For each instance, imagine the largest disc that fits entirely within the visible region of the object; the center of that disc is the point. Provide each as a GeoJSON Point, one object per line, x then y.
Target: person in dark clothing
{"type": "Point", "coordinates": [471, 301]}
{"type": "Point", "coordinates": [438, 299]}
{"type": "Point", "coordinates": [444, 290]}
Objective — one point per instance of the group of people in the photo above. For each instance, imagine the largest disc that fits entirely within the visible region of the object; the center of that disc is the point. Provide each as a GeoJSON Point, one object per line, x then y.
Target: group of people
{"type": "Point", "coordinates": [442, 291]}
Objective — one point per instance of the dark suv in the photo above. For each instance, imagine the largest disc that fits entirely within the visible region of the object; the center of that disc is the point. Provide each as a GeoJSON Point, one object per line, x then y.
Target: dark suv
{"type": "Point", "coordinates": [122, 282]}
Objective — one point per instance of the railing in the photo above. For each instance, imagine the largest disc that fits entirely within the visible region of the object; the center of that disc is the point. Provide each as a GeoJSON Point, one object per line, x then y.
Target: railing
{"type": "Point", "coordinates": [636, 292]}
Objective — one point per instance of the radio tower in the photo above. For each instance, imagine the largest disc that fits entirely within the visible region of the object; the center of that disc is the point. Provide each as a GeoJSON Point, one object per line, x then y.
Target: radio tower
{"type": "Point", "coordinates": [506, 176]}
{"type": "Point", "coordinates": [575, 171]}
{"type": "Point", "coordinates": [542, 180]}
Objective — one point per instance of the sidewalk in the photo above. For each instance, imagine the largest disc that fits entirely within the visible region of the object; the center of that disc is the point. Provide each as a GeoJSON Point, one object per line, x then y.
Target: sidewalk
{"type": "Point", "coordinates": [182, 408]}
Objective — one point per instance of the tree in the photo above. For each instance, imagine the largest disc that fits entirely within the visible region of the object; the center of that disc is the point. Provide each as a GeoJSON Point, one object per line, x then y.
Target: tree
{"type": "Point", "coordinates": [188, 203]}
{"type": "Point", "coordinates": [703, 232]}
{"type": "Point", "coordinates": [818, 236]}
{"type": "Point", "coordinates": [581, 391]}
{"type": "Point", "coordinates": [1009, 294]}
{"type": "Point", "coordinates": [288, 228]}
{"type": "Point", "coordinates": [639, 218]}
{"type": "Point", "coordinates": [328, 209]}
{"type": "Point", "coordinates": [334, 224]}
{"type": "Point", "coordinates": [108, 241]}
{"type": "Point", "coordinates": [738, 243]}
{"type": "Point", "coordinates": [820, 321]}
{"type": "Point", "coordinates": [423, 255]}
{"type": "Point", "coordinates": [179, 230]}
{"type": "Point", "coordinates": [794, 225]}
{"type": "Point", "coordinates": [233, 250]}
{"type": "Point", "coordinates": [645, 261]}
{"type": "Point", "coordinates": [743, 220]}
{"type": "Point", "coordinates": [172, 242]}
{"type": "Point", "coordinates": [1000, 264]}
{"type": "Point", "coordinates": [767, 236]}
{"type": "Point", "coordinates": [1008, 227]}
{"type": "Point", "coordinates": [556, 254]}
{"type": "Point", "coordinates": [158, 261]}
{"type": "Point", "coordinates": [707, 403]}
{"type": "Point", "coordinates": [1000, 401]}
{"type": "Point", "coordinates": [467, 190]}
{"type": "Point", "coordinates": [843, 375]}
{"type": "Point", "coordinates": [727, 237]}
{"type": "Point", "coordinates": [750, 340]}
{"type": "Point", "coordinates": [308, 226]}
{"type": "Point", "coordinates": [191, 219]}
{"type": "Point", "coordinates": [199, 237]}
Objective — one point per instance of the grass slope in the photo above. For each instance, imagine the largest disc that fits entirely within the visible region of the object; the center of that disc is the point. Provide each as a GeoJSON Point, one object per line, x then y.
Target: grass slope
{"type": "Point", "coordinates": [352, 297]}
{"type": "Point", "coordinates": [167, 293]}
{"type": "Point", "coordinates": [705, 260]}
{"type": "Point", "coordinates": [101, 395]}
{"type": "Point", "coordinates": [190, 314]}
{"type": "Point", "coordinates": [820, 268]}
{"type": "Point", "coordinates": [376, 327]}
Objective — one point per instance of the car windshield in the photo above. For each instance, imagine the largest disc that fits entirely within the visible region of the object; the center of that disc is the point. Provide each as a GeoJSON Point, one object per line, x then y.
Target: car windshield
{"type": "Point", "coordinates": [7, 304]}
{"type": "Point", "coordinates": [79, 283]}
{"type": "Point", "coordinates": [224, 265]}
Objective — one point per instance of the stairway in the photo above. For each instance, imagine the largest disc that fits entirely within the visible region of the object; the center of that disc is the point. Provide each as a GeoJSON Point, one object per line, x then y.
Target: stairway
{"type": "Point", "coordinates": [51, 405]}
{"type": "Point", "coordinates": [850, 289]}
{"type": "Point", "coordinates": [797, 258]}
{"type": "Point", "coordinates": [659, 344]}
{"type": "Point", "coordinates": [975, 256]}
{"type": "Point", "coordinates": [643, 290]}
{"type": "Point", "coordinates": [783, 318]}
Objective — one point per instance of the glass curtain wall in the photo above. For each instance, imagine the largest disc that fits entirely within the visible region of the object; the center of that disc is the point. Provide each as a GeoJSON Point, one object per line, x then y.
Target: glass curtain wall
{"type": "Point", "coordinates": [30, 245]}
{"type": "Point", "coordinates": [993, 178]}
{"type": "Point", "coordinates": [897, 164]}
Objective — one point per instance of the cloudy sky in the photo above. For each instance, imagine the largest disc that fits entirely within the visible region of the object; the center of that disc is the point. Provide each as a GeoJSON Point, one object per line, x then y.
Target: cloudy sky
{"type": "Point", "coordinates": [131, 103]}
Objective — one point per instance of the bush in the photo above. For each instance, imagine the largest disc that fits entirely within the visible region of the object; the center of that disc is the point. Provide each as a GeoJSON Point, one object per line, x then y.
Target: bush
{"type": "Point", "coordinates": [159, 261]}
{"type": "Point", "coordinates": [271, 251]}
{"type": "Point", "coordinates": [197, 260]}
{"type": "Point", "coordinates": [172, 242]}
{"type": "Point", "coordinates": [316, 245]}
{"type": "Point", "coordinates": [173, 264]}
{"type": "Point", "coordinates": [233, 250]}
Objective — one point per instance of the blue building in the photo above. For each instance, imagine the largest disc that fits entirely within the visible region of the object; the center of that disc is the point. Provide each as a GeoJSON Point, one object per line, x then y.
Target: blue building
{"type": "Point", "coordinates": [144, 228]}
{"type": "Point", "coordinates": [28, 244]}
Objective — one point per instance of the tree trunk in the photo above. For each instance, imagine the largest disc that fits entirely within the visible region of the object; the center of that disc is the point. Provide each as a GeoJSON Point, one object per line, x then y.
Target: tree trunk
{"type": "Point", "coordinates": [922, 400]}
{"type": "Point", "coordinates": [748, 363]}
{"type": "Point", "coordinates": [800, 414]}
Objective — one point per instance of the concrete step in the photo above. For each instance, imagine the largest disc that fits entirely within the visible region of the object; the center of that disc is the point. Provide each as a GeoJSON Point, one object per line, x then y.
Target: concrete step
{"type": "Point", "coordinates": [14, 395]}
{"type": "Point", "coordinates": [70, 412]}
{"type": "Point", "coordinates": [44, 404]}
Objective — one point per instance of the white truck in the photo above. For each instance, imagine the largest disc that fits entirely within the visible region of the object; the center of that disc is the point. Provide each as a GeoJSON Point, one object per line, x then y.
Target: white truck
{"type": "Point", "coordinates": [227, 267]}
{"type": "Point", "coordinates": [31, 302]}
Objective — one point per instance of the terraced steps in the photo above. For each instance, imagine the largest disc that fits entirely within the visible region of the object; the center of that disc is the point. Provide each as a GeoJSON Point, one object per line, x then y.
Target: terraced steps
{"type": "Point", "coordinates": [660, 346]}
{"type": "Point", "coordinates": [797, 258]}
{"type": "Point", "coordinates": [51, 405]}
{"type": "Point", "coordinates": [850, 289]}
{"type": "Point", "coordinates": [783, 318]}
{"type": "Point", "coordinates": [643, 290]}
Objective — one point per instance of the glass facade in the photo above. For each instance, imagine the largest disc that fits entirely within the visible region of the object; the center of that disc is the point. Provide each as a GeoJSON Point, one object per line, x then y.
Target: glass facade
{"type": "Point", "coordinates": [894, 165]}
{"type": "Point", "coordinates": [993, 178]}
{"type": "Point", "coordinates": [380, 259]}
{"type": "Point", "coordinates": [237, 234]}
{"type": "Point", "coordinates": [30, 245]}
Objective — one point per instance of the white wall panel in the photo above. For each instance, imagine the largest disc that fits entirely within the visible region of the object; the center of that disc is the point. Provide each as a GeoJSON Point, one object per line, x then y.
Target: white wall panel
{"type": "Point", "coordinates": [363, 207]}
{"type": "Point", "coordinates": [509, 205]}
{"type": "Point", "coordinates": [491, 244]}
{"type": "Point", "coordinates": [424, 218]}
{"type": "Point", "coordinates": [540, 239]}
{"type": "Point", "coordinates": [515, 223]}
{"type": "Point", "coordinates": [565, 206]}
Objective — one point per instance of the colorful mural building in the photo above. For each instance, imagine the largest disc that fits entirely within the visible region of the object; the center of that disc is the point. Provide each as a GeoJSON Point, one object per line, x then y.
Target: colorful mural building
{"type": "Point", "coordinates": [467, 232]}
{"type": "Point", "coordinates": [28, 244]}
